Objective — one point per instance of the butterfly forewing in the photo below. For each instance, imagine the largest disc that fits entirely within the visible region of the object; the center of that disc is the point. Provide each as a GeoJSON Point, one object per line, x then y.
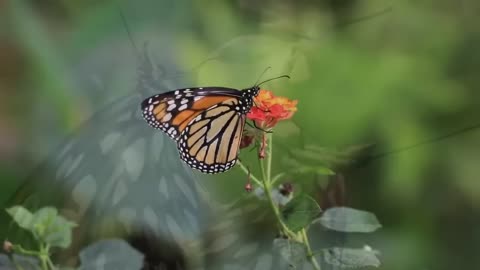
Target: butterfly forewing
{"type": "Point", "coordinates": [172, 111]}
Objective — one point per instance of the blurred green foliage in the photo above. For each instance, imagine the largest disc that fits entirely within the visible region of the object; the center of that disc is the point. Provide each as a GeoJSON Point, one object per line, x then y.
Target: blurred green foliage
{"type": "Point", "coordinates": [392, 80]}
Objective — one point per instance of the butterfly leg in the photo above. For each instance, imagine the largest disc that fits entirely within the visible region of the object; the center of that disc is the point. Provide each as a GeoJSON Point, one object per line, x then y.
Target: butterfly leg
{"type": "Point", "coordinates": [259, 128]}
{"type": "Point", "coordinates": [266, 131]}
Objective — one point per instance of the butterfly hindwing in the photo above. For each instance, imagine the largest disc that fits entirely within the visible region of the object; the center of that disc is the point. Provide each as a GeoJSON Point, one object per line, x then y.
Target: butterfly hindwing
{"type": "Point", "coordinates": [210, 142]}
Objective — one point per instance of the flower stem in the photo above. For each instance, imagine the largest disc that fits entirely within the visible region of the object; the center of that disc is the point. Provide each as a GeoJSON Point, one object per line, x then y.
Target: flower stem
{"type": "Point", "coordinates": [43, 256]}
{"type": "Point", "coordinates": [286, 231]}
{"type": "Point", "coordinates": [23, 251]}
{"type": "Point", "coordinates": [266, 173]}
{"type": "Point", "coordinates": [310, 254]}
{"type": "Point", "coordinates": [267, 182]}
{"type": "Point", "coordinates": [262, 168]}
{"type": "Point", "coordinates": [269, 156]}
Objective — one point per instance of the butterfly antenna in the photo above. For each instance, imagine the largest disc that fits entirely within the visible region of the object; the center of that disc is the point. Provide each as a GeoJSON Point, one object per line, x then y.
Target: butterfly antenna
{"type": "Point", "coordinates": [279, 77]}
{"type": "Point", "coordinates": [263, 73]}
{"type": "Point", "coordinates": [127, 29]}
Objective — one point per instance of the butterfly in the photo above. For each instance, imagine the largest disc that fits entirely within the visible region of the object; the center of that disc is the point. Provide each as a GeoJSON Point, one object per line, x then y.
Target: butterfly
{"type": "Point", "coordinates": [206, 122]}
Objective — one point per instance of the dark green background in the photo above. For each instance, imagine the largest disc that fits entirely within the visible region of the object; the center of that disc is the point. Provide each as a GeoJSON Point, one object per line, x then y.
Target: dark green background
{"type": "Point", "coordinates": [407, 74]}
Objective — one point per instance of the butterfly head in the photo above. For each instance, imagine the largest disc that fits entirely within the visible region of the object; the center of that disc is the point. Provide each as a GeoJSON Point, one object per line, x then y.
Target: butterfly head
{"type": "Point", "coordinates": [248, 95]}
{"type": "Point", "coordinates": [252, 92]}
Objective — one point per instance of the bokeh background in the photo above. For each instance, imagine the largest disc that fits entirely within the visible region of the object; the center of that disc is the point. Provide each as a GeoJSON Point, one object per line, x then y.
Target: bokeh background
{"type": "Point", "coordinates": [387, 74]}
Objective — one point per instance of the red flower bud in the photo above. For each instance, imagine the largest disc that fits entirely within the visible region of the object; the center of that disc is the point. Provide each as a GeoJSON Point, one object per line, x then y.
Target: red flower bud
{"type": "Point", "coordinates": [248, 187]}
{"type": "Point", "coordinates": [247, 140]}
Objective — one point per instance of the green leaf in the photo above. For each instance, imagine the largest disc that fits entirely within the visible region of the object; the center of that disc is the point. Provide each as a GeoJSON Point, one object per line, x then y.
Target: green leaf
{"type": "Point", "coordinates": [300, 212]}
{"type": "Point", "coordinates": [293, 252]}
{"type": "Point", "coordinates": [21, 216]}
{"type": "Point", "coordinates": [51, 228]}
{"type": "Point", "coordinates": [351, 257]}
{"type": "Point", "coordinates": [42, 219]}
{"type": "Point", "coordinates": [110, 254]}
{"type": "Point", "coordinates": [59, 233]}
{"type": "Point", "coordinates": [344, 219]}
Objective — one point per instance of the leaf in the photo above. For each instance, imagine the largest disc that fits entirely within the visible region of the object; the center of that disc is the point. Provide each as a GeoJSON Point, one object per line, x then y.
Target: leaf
{"type": "Point", "coordinates": [51, 228]}
{"type": "Point", "coordinates": [59, 233]}
{"type": "Point", "coordinates": [300, 212]}
{"type": "Point", "coordinates": [344, 219]}
{"type": "Point", "coordinates": [350, 257]}
{"type": "Point", "coordinates": [293, 252]}
{"type": "Point", "coordinates": [21, 216]}
{"type": "Point", "coordinates": [110, 254]}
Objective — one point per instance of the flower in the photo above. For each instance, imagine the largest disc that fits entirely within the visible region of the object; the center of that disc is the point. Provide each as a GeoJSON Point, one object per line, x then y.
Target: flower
{"type": "Point", "coordinates": [270, 109]}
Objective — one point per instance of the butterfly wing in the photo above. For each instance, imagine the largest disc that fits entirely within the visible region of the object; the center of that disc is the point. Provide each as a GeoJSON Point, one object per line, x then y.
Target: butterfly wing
{"type": "Point", "coordinates": [210, 142]}
{"type": "Point", "coordinates": [172, 111]}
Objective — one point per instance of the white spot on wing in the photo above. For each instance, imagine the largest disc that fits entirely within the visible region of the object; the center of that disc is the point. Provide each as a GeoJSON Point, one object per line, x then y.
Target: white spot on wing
{"type": "Point", "coordinates": [171, 107]}
{"type": "Point", "coordinates": [163, 188]}
{"type": "Point", "coordinates": [167, 117]}
{"type": "Point", "coordinates": [119, 192]}
{"type": "Point", "coordinates": [74, 165]}
{"type": "Point", "coordinates": [133, 157]}
{"type": "Point", "coordinates": [109, 141]}
{"type": "Point", "coordinates": [151, 218]}
{"type": "Point", "coordinates": [84, 192]}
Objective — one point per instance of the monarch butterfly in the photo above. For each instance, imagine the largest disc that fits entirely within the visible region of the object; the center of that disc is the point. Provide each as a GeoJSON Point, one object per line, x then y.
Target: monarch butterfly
{"type": "Point", "coordinates": [206, 122]}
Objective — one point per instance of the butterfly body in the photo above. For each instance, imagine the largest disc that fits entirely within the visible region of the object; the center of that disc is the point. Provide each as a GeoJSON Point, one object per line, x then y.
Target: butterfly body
{"type": "Point", "coordinates": [206, 122]}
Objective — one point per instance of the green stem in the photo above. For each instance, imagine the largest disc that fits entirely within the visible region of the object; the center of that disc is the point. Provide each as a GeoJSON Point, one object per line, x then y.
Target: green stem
{"type": "Point", "coordinates": [310, 254]}
{"type": "Point", "coordinates": [266, 173]}
{"type": "Point", "coordinates": [283, 227]}
{"type": "Point", "coordinates": [47, 255]}
{"type": "Point", "coordinates": [50, 263]}
{"type": "Point", "coordinates": [247, 172]}
{"type": "Point", "coordinates": [44, 256]}
{"type": "Point", "coordinates": [262, 168]}
{"type": "Point", "coordinates": [269, 156]}
{"type": "Point", "coordinates": [23, 251]}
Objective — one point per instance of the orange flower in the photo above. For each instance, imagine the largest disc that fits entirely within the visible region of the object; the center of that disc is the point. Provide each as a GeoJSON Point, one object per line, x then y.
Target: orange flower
{"type": "Point", "coordinates": [269, 109]}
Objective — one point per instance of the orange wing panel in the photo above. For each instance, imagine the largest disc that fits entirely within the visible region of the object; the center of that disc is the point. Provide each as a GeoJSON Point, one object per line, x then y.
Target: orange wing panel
{"type": "Point", "coordinates": [207, 102]}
